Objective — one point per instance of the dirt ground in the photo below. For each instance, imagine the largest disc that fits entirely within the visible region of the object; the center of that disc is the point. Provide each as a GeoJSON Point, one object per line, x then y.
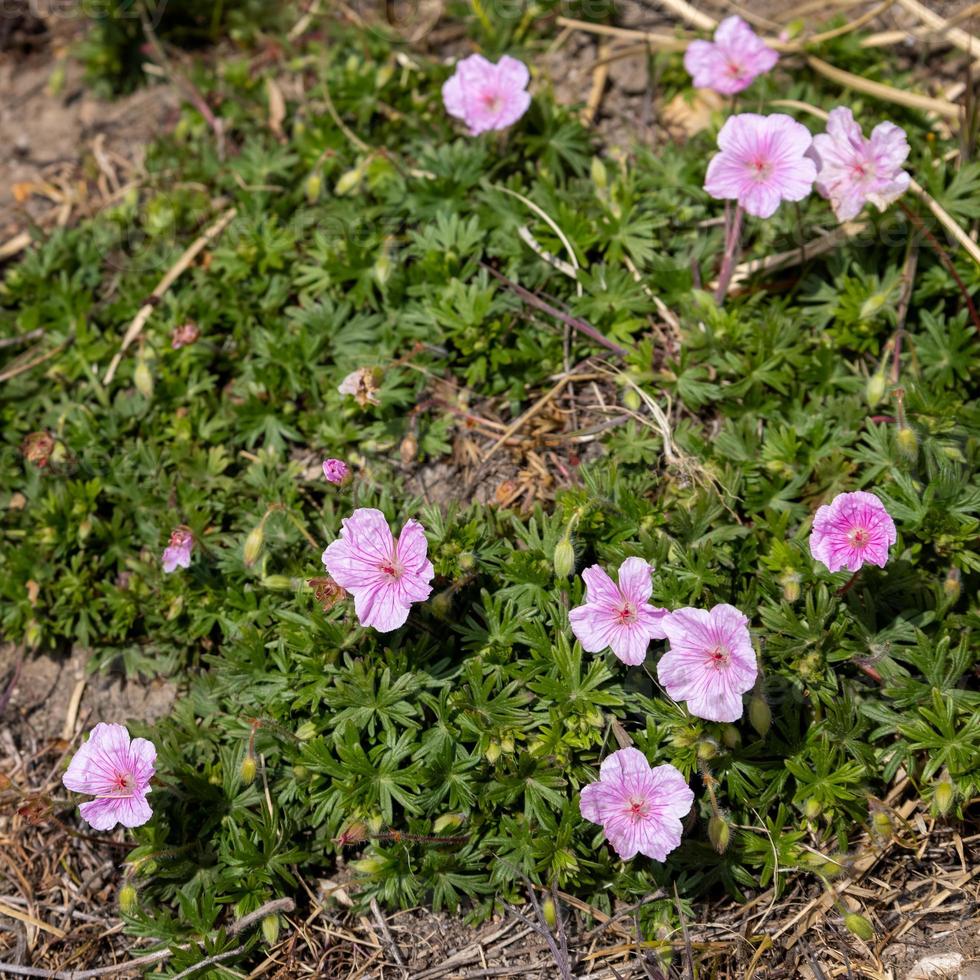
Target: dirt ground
{"type": "Point", "coordinates": [66, 154]}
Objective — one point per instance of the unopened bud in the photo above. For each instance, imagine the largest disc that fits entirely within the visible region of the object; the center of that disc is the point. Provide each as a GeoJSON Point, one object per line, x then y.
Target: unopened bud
{"type": "Point", "coordinates": [631, 399]}
{"type": "Point", "coordinates": [549, 912]}
{"type": "Point", "coordinates": [253, 544]}
{"type": "Point", "coordinates": [143, 378]}
{"type": "Point", "coordinates": [249, 769]}
{"type": "Point", "coordinates": [368, 865]}
{"type": "Point", "coordinates": [718, 833]}
{"type": "Point", "coordinates": [300, 773]}
{"type": "Point", "coordinates": [564, 559]}
{"type": "Point", "coordinates": [280, 583]}
{"type": "Point", "coordinates": [349, 181]}
{"type": "Point", "coordinates": [409, 449]}
{"type": "Point", "coordinates": [812, 808]}
{"type": "Point", "coordinates": [32, 634]}
{"type": "Point", "coordinates": [306, 731]}
{"type": "Point", "coordinates": [84, 529]}
{"type": "Point", "coordinates": [951, 585]}
{"type": "Point", "coordinates": [493, 752]}
{"type": "Point", "coordinates": [128, 899]}
{"type": "Point", "coordinates": [314, 184]}
{"type": "Point", "coordinates": [448, 821]}
{"type": "Point", "coordinates": [860, 926]}
{"type": "Point", "coordinates": [466, 562]}
{"type": "Point", "coordinates": [731, 736]}
{"type": "Point", "coordinates": [507, 744]}
{"type": "Point", "coordinates": [707, 748]}
{"type": "Point", "coordinates": [791, 585]}
{"type": "Point", "coordinates": [600, 176]}
{"type": "Point", "coordinates": [442, 604]}
{"type": "Point", "coordinates": [760, 717]}
{"type": "Point", "coordinates": [881, 823]}
{"type": "Point", "coordinates": [356, 833]}
{"type": "Point", "coordinates": [270, 929]}
{"type": "Point", "coordinates": [943, 796]}
{"type": "Point", "coordinates": [907, 441]}
{"type": "Point", "coordinates": [875, 389]}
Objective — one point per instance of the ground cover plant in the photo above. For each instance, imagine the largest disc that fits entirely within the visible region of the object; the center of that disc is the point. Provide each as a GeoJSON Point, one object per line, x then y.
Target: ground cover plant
{"type": "Point", "coordinates": [771, 466]}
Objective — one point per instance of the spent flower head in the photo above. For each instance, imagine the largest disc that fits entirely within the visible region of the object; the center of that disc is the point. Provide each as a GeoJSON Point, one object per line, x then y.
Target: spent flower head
{"type": "Point", "coordinates": [640, 808]}
{"type": "Point", "coordinates": [116, 770]}
{"type": "Point", "coordinates": [710, 663]}
{"type": "Point", "coordinates": [177, 554]}
{"type": "Point", "coordinates": [363, 385]}
{"type": "Point", "coordinates": [618, 616]}
{"type": "Point", "coordinates": [853, 529]}
{"type": "Point", "coordinates": [729, 63]}
{"type": "Point", "coordinates": [763, 162]}
{"type": "Point", "coordinates": [384, 576]}
{"type": "Point", "coordinates": [184, 335]}
{"type": "Point", "coordinates": [853, 170]}
{"type": "Point", "coordinates": [487, 96]}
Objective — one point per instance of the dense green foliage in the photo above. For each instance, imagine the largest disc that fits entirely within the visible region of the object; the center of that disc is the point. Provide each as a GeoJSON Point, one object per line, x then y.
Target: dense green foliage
{"type": "Point", "coordinates": [481, 717]}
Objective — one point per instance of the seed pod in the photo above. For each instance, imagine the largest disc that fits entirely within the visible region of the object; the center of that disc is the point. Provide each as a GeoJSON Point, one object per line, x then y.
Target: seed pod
{"type": "Point", "coordinates": [707, 748]}
{"type": "Point", "coordinates": [314, 184]}
{"type": "Point", "coordinates": [860, 926]}
{"type": "Point", "coordinates": [270, 929]}
{"type": "Point", "coordinates": [718, 833]}
{"type": "Point", "coordinates": [248, 769]}
{"type": "Point", "coordinates": [128, 899]}
{"type": "Point", "coordinates": [253, 544]}
{"type": "Point", "coordinates": [760, 717]}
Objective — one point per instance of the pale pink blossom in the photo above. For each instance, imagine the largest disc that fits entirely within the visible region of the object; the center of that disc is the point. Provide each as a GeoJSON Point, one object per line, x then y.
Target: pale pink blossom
{"type": "Point", "coordinates": [335, 470]}
{"type": "Point", "coordinates": [853, 170]}
{"type": "Point", "coordinates": [117, 772]}
{"type": "Point", "coordinates": [177, 554]}
{"type": "Point", "coordinates": [730, 62]}
{"type": "Point", "coordinates": [710, 663]}
{"type": "Point", "coordinates": [384, 577]}
{"type": "Point", "coordinates": [762, 162]}
{"type": "Point", "coordinates": [853, 529]}
{"type": "Point", "coordinates": [487, 96]}
{"type": "Point", "coordinates": [618, 616]}
{"type": "Point", "coordinates": [640, 808]}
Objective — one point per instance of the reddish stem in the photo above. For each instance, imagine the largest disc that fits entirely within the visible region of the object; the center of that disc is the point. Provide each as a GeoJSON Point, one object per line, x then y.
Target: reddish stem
{"type": "Point", "coordinates": [733, 235]}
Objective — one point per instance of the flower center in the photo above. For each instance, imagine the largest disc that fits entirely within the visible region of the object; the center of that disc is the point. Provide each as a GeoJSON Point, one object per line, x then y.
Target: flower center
{"type": "Point", "coordinates": [760, 169]}
{"type": "Point", "coordinates": [734, 69]}
{"type": "Point", "coordinates": [626, 614]}
{"type": "Point", "coordinates": [123, 786]}
{"type": "Point", "coordinates": [719, 656]}
{"type": "Point", "coordinates": [858, 537]}
{"type": "Point", "coordinates": [637, 809]}
{"type": "Point", "coordinates": [491, 101]}
{"type": "Point", "coordinates": [390, 569]}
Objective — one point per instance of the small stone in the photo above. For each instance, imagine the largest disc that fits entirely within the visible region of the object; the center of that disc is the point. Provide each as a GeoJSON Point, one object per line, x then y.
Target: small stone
{"type": "Point", "coordinates": [941, 966]}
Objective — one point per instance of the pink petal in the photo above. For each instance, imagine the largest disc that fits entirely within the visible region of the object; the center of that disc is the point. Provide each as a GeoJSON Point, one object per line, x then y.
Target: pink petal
{"type": "Point", "coordinates": [593, 627]}
{"type": "Point", "coordinates": [381, 607]}
{"type": "Point", "coordinates": [599, 587]}
{"type": "Point", "coordinates": [629, 643]}
{"type": "Point", "coordinates": [634, 580]}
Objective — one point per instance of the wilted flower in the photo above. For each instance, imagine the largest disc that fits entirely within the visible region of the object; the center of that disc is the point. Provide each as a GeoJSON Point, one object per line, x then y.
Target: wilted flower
{"type": "Point", "coordinates": [363, 385]}
{"type": "Point", "coordinates": [618, 616]}
{"type": "Point", "coordinates": [853, 170]}
{"type": "Point", "coordinates": [37, 448]}
{"type": "Point", "coordinates": [117, 772]}
{"type": "Point", "coordinates": [730, 62]}
{"type": "Point", "coordinates": [177, 554]}
{"type": "Point", "coordinates": [187, 333]}
{"type": "Point", "coordinates": [336, 471]}
{"type": "Point", "coordinates": [639, 807]}
{"type": "Point", "coordinates": [710, 662]}
{"type": "Point", "coordinates": [487, 96]}
{"type": "Point", "coordinates": [384, 576]}
{"type": "Point", "coordinates": [762, 162]}
{"type": "Point", "coordinates": [327, 592]}
{"type": "Point", "coordinates": [852, 529]}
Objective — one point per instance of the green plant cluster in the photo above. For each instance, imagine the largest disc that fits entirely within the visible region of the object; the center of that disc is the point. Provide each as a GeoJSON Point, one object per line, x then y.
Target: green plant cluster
{"type": "Point", "coordinates": [369, 245]}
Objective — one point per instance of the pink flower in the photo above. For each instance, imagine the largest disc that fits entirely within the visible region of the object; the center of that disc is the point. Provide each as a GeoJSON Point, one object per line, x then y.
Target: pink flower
{"type": "Point", "coordinates": [710, 663]}
{"type": "Point", "coordinates": [852, 529]}
{"type": "Point", "coordinates": [335, 470]}
{"type": "Point", "coordinates": [117, 772]}
{"type": "Point", "coordinates": [618, 616]}
{"type": "Point", "coordinates": [487, 96]}
{"type": "Point", "coordinates": [731, 61]}
{"type": "Point", "coordinates": [186, 333]}
{"type": "Point", "coordinates": [640, 808]}
{"type": "Point", "coordinates": [762, 162]}
{"type": "Point", "coordinates": [385, 578]}
{"type": "Point", "coordinates": [854, 170]}
{"type": "Point", "coordinates": [178, 551]}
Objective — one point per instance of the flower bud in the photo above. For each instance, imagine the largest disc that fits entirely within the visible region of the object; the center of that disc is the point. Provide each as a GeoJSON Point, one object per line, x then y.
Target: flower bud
{"type": "Point", "coordinates": [707, 748]}
{"type": "Point", "coordinates": [355, 833]}
{"type": "Point", "coordinates": [881, 823]}
{"type": "Point", "coordinates": [632, 400]}
{"type": "Point", "coordinates": [32, 634]}
{"type": "Point", "coordinates": [368, 865]}
{"type": "Point", "coordinates": [549, 912]}
{"type": "Point", "coordinates": [731, 736]}
{"type": "Point", "coordinates": [280, 583]}
{"type": "Point", "coordinates": [349, 181]}
{"type": "Point", "coordinates": [951, 585]}
{"type": "Point", "coordinates": [875, 390]}
{"type": "Point", "coordinates": [860, 926]}
{"type": "Point", "coordinates": [270, 929]}
{"type": "Point", "coordinates": [600, 176]}
{"type": "Point", "coordinates": [84, 530]}
{"type": "Point", "coordinates": [448, 821]}
{"type": "Point", "coordinates": [812, 809]}
{"type": "Point", "coordinates": [943, 796]}
{"type": "Point", "coordinates": [907, 441]}
{"type": "Point", "coordinates": [564, 559]}
{"type": "Point", "coordinates": [253, 544]}
{"type": "Point", "coordinates": [128, 899]}
{"type": "Point", "coordinates": [300, 773]}
{"type": "Point", "coordinates": [336, 472]}
{"type": "Point", "coordinates": [760, 717]}
{"type": "Point", "coordinates": [718, 833]}
{"type": "Point", "coordinates": [248, 769]}
{"type": "Point", "coordinates": [493, 752]}
{"type": "Point", "coordinates": [466, 562]}
{"type": "Point", "coordinates": [790, 582]}
{"type": "Point", "coordinates": [306, 731]}
{"type": "Point", "coordinates": [507, 744]}
{"type": "Point", "coordinates": [314, 184]}
{"type": "Point", "coordinates": [442, 604]}
{"type": "Point", "coordinates": [143, 378]}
